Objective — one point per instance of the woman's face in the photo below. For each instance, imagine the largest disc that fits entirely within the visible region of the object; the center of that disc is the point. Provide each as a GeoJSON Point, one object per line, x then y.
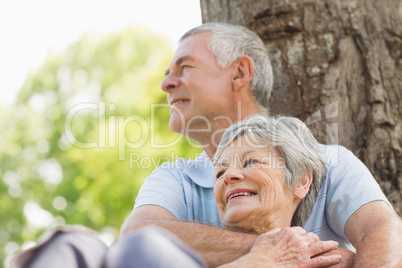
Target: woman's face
{"type": "Point", "coordinates": [250, 189]}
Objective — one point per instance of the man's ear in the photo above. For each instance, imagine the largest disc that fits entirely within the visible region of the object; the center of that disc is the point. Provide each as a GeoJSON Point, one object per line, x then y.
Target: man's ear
{"type": "Point", "coordinates": [244, 69]}
{"type": "Point", "coordinates": [303, 186]}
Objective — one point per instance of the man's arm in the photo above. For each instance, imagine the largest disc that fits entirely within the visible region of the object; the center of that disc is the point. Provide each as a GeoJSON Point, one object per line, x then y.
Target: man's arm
{"type": "Point", "coordinates": [376, 232]}
{"type": "Point", "coordinates": [219, 246]}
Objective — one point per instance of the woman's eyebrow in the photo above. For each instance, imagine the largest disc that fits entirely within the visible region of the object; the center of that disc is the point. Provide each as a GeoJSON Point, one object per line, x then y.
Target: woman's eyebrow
{"type": "Point", "coordinates": [221, 163]}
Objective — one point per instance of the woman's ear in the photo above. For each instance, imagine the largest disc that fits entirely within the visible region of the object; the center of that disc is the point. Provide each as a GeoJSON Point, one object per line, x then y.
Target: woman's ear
{"type": "Point", "coordinates": [244, 69]}
{"type": "Point", "coordinates": [303, 186]}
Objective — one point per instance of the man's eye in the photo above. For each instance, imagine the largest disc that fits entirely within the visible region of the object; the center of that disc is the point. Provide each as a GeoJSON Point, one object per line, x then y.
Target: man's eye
{"type": "Point", "coordinates": [184, 67]}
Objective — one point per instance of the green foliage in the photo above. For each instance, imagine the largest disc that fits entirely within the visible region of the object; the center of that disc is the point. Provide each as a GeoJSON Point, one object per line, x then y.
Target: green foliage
{"type": "Point", "coordinates": [98, 94]}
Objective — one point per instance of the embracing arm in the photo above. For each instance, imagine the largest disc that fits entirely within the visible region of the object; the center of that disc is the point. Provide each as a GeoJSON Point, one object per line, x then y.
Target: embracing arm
{"type": "Point", "coordinates": [280, 247]}
{"type": "Point", "coordinates": [217, 246]}
{"type": "Point", "coordinates": [375, 230]}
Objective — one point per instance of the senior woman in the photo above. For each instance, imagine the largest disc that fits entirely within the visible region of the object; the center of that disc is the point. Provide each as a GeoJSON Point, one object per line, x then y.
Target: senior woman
{"type": "Point", "coordinates": [268, 172]}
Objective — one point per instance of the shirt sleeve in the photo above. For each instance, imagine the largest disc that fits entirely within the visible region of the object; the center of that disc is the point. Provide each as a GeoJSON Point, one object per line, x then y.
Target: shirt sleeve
{"type": "Point", "coordinates": [164, 188]}
{"type": "Point", "coordinates": [350, 186]}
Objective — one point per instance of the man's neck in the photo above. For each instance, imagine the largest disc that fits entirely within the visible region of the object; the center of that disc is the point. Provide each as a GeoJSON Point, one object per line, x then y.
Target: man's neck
{"type": "Point", "coordinates": [210, 140]}
{"type": "Point", "coordinates": [210, 148]}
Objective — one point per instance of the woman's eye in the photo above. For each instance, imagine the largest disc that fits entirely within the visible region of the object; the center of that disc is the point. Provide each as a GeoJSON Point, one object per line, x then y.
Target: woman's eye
{"type": "Point", "coordinates": [251, 162]}
{"type": "Point", "coordinates": [184, 67]}
{"type": "Point", "coordinates": [220, 174]}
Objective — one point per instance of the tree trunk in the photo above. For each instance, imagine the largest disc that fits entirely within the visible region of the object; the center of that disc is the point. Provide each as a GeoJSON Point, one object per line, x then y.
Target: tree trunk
{"type": "Point", "coordinates": [338, 66]}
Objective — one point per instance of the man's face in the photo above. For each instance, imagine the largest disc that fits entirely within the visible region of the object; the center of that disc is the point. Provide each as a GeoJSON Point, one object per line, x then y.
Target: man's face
{"type": "Point", "coordinates": [198, 90]}
{"type": "Point", "coordinates": [250, 188]}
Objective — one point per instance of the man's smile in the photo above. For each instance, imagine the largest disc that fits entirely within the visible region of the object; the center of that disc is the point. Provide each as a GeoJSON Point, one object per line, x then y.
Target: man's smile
{"type": "Point", "coordinates": [178, 101]}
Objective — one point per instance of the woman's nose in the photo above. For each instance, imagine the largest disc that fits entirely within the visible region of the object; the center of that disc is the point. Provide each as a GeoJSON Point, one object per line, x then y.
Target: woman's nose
{"type": "Point", "coordinates": [233, 175]}
{"type": "Point", "coordinates": [168, 83]}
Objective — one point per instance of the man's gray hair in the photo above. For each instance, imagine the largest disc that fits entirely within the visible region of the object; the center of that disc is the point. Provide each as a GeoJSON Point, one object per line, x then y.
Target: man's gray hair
{"type": "Point", "coordinates": [230, 42]}
{"type": "Point", "coordinates": [296, 145]}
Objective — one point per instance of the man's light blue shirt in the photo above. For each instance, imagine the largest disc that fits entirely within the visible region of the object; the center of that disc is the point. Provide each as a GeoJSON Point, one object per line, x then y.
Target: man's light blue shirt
{"type": "Point", "coordinates": [185, 189]}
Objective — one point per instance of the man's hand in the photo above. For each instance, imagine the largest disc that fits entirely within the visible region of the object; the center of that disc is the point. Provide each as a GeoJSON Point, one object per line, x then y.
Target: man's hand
{"type": "Point", "coordinates": [347, 257]}
{"type": "Point", "coordinates": [289, 247]}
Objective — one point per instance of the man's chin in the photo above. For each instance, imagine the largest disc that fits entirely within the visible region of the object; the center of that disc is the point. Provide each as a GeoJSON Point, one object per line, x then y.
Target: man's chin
{"type": "Point", "coordinates": [176, 126]}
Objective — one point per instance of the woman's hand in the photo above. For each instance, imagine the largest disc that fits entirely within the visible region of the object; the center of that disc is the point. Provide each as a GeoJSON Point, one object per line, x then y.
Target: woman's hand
{"type": "Point", "coordinates": [290, 247]}
{"type": "Point", "coordinates": [347, 257]}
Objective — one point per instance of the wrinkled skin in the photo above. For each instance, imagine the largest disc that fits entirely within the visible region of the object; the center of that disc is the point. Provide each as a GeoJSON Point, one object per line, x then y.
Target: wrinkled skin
{"type": "Point", "coordinates": [289, 247]}
{"type": "Point", "coordinates": [247, 167]}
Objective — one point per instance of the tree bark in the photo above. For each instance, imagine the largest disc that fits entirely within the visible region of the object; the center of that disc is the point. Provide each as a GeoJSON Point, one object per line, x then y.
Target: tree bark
{"type": "Point", "coordinates": [338, 66]}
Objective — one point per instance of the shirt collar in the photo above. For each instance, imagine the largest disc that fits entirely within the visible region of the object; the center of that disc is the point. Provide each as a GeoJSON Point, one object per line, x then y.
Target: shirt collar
{"type": "Point", "coordinates": [200, 171]}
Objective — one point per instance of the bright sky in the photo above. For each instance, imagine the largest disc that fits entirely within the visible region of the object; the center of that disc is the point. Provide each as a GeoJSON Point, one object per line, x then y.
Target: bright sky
{"type": "Point", "coordinates": [29, 30]}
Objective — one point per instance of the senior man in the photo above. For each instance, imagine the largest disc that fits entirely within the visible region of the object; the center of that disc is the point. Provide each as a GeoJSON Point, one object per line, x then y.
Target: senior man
{"type": "Point", "coordinates": [221, 74]}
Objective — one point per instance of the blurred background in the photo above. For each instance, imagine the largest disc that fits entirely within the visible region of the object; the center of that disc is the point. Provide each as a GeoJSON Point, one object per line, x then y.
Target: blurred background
{"type": "Point", "coordinates": [82, 118]}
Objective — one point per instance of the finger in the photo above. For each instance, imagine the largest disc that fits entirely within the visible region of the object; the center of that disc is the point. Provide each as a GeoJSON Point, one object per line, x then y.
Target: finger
{"type": "Point", "coordinates": [323, 261]}
{"type": "Point", "coordinates": [312, 236]}
{"type": "Point", "coordinates": [296, 229]}
{"type": "Point", "coordinates": [320, 247]}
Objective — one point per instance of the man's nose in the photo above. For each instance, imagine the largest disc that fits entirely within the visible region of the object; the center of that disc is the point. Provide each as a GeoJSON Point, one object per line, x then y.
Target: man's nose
{"type": "Point", "coordinates": [169, 83]}
{"type": "Point", "coordinates": [233, 175]}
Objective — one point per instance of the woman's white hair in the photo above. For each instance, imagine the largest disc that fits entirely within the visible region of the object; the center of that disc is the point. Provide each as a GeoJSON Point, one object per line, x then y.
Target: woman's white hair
{"type": "Point", "coordinates": [296, 145]}
{"type": "Point", "coordinates": [230, 42]}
